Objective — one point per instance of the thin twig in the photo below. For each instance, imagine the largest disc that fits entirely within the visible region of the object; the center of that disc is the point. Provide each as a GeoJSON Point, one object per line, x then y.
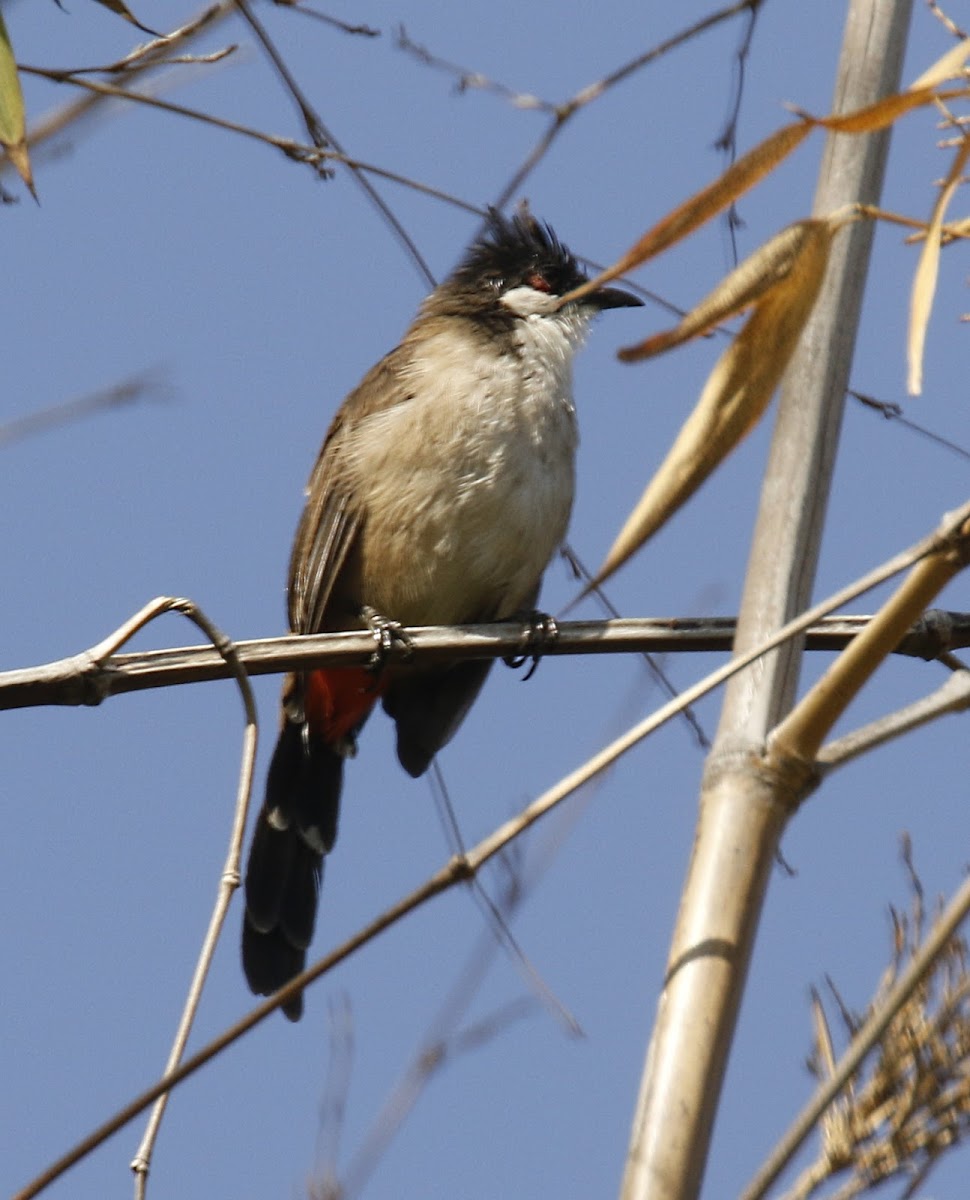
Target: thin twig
{"type": "Point", "coordinates": [297, 151]}
{"type": "Point", "coordinates": [566, 111]}
{"type": "Point", "coordinates": [948, 23]}
{"type": "Point", "coordinates": [127, 391]}
{"type": "Point", "coordinates": [727, 140]}
{"type": "Point", "coordinates": [655, 670]}
{"type": "Point", "coordinates": [322, 138]}
{"type": "Point", "coordinates": [292, 149]}
{"type": "Point", "coordinates": [894, 412]}
{"type": "Point", "coordinates": [143, 58]}
{"type": "Point", "coordinates": [335, 23]}
{"type": "Point", "coordinates": [229, 880]}
{"type": "Point", "coordinates": [467, 79]}
{"type": "Point", "coordinates": [493, 912]}
{"type": "Point", "coordinates": [953, 231]}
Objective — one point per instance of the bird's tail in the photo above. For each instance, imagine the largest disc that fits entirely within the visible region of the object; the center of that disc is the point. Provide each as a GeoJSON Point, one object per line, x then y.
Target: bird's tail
{"type": "Point", "coordinates": [297, 825]}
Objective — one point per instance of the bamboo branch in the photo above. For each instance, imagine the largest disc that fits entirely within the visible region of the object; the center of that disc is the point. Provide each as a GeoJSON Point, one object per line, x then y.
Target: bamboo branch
{"type": "Point", "coordinates": [801, 734]}
{"type": "Point", "coordinates": [951, 697]}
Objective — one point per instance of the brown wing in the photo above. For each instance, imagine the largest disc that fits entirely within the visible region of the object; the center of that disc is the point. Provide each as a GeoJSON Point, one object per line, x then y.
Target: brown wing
{"type": "Point", "coordinates": [334, 515]}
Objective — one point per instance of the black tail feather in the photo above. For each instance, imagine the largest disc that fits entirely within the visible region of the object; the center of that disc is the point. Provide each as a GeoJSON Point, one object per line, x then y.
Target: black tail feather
{"type": "Point", "coordinates": [269, 961]}
{"type": "Point", "coordinates": [298, 912]}
{"type": "Point", "coordinates": [270, 859]}
{"type": "Point", "coordinates": [296, 828]}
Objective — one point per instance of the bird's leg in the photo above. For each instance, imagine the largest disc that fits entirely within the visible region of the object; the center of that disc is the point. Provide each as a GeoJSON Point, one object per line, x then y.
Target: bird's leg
{"type": "Point", "coordinates": [540, 631]}
{"type": "Point", "coordinates": [385, 633]}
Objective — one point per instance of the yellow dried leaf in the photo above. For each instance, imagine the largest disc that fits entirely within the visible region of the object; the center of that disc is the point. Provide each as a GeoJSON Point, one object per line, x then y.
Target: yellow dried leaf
{"type": "Point", "coordinates": [766, 268]}
{"type": "Point", "coordinates": [889, 108]}
{"type": "Point", "coordinates": [823, 1038]}
{"type": "Point", "coordinates": [742, 175]}
{"type": "Point", "coordinates": [927, 270]}
{"type": "Point", "coordinates": [13, 136]}
{"type": "Point", "coordinates": [876, 116]}
{"type": "Point", "coordinates": [947, 66]}
{"type": "Point", "coordinates": [739, 388]}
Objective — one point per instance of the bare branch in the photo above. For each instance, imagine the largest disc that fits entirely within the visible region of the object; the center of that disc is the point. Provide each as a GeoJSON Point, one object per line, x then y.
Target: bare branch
{"type": "Point", "coordinates": [467, 79]}
{"type": "Point", "coordinates": [290, 148]}
{"type": "Point", "coordinates": [344, 26]}
{"type": "Point", "coordinates": [322, 138]}
{"type": "Point", "coordinates": [88, 678]}
{"type": "Point", "coordinates": [566, 111]}
{"type": "Point", "coordinates": [728, 138]}
{"type": "Point", "coordinates": [952, 697]}
{"type": "Point", "coordinates": [229, 879]}
{"type": "Point", "coordinates": [140, 60]}
{"type": "Point", "coordinates": [948, 23]}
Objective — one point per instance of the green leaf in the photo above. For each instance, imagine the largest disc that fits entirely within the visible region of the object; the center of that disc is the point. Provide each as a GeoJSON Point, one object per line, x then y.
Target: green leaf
{"type": "Point", "coordinates": [13, 135]}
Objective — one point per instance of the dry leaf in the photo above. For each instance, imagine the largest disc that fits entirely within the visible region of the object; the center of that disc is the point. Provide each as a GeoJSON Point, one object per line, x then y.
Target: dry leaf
{"type": "Point", "coordinates": [927, 269]}
{"type": "Point", "coordinates": [947, 66]}
{"type": "Point", "coordinates": [885, 111]}
{"type": "Point", "coordinates": [742, 175]}
{"type": "Point", "coordinates": [782, 281]}
{"type": "Point", "coordinates": [766, 268]}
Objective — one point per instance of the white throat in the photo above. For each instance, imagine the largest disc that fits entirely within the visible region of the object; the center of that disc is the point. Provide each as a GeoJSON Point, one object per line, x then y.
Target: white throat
{"type": "Point", "coordinates": [547, 341]}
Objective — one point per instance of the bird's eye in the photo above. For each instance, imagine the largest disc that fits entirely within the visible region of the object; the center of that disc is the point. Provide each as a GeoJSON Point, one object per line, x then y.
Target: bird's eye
{"type": "Point", "coordinates": [538, 282]}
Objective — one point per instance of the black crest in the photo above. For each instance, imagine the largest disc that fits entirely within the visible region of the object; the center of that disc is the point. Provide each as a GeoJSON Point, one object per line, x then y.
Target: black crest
{"type": "Point", "coordinates": [518, 250]}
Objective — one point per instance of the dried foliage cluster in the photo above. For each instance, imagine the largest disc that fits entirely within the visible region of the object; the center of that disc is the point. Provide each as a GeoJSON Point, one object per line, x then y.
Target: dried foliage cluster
{"type": "Point", "coordinates": [912, 1100]}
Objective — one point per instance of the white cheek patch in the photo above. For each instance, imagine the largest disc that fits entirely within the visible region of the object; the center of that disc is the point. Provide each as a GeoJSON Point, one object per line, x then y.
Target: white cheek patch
{"type": "Point", "coordinates": [527, 302]}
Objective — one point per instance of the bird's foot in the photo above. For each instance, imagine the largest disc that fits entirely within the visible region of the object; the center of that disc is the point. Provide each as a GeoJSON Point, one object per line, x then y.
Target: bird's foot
{"type": "Point", "coordinates": [385, 634]}
{"type": "Point", "coordinates": [540, 631]}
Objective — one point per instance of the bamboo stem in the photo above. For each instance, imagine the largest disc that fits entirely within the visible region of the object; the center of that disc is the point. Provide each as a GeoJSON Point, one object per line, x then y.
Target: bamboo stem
{"type": "Point", "coordinates": [744, 808]}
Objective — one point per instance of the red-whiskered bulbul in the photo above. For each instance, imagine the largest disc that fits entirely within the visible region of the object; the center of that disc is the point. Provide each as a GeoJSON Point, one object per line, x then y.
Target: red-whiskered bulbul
{"type": "Point", "coordinates": [442, 490]}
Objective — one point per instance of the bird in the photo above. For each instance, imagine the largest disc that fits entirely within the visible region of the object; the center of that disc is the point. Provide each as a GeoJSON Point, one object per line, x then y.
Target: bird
{"type": "Point", "coordinates": [441, 493]}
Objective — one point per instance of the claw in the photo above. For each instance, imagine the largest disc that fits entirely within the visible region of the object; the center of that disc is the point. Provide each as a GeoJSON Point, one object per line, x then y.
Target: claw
{"type": "Point", "coordinates": [385, 634]}
{"type": "Point", "coordinates": [538, 633]}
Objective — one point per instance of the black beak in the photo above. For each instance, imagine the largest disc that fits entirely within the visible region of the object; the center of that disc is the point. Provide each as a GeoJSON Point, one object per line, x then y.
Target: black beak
{"type": "Point", "coordinates": [609, 297]}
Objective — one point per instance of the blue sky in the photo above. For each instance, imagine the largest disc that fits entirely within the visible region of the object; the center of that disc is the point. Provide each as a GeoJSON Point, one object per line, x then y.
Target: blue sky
{"type": "Point", "coordinates": [258, 295]}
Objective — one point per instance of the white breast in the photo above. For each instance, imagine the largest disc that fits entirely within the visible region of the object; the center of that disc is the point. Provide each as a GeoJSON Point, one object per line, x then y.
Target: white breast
{"type": "Point", "coordinates": [469, 484]}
